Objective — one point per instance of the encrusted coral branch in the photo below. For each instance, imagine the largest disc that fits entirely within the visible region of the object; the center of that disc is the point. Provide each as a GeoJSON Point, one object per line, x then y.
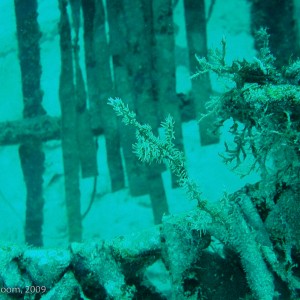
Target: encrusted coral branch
{"type": "Point", "coordinates": [149, 148]}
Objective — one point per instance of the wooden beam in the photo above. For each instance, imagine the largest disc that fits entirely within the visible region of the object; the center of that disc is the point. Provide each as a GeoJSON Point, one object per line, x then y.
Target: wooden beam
{"type": "Point", "coordinates": [43, 128]}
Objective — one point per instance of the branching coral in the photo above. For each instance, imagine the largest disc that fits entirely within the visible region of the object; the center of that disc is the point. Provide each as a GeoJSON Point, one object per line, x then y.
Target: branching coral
{"type": "Point", "coordinates": [149, 148]}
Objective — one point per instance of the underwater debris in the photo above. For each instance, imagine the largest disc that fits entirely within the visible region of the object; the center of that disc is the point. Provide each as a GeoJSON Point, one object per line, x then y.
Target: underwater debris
{"type": "Point", "coordinates": [257, 226]}
{"type": "Point", "coordinates": [265, 102]}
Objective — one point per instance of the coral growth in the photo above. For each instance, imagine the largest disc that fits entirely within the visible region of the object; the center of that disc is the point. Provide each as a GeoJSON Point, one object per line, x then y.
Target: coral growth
{"type": "Point", "coordinates": [260, 222]}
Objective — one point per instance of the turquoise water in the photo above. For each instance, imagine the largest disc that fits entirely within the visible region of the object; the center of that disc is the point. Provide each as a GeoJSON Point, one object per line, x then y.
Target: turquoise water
{"type": "Point", "coordinates": [73, 175]}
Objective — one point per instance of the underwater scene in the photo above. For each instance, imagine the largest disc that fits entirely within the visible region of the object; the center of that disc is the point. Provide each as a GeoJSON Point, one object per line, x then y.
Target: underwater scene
{"type": "Point", "coordinates": [150, 150]}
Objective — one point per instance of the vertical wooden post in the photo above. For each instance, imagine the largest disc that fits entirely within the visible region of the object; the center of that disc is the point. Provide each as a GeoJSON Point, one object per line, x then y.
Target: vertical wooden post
{"type": "Point", "coordinates": [139, 61]}
{"type": "Point", "coordinates": [297, 21]}
{"type": "Point", "coordinates": [31, 154]}
{"type": "Point", "coordinates": [100, 87]}
{"type": "Point", "coordinates": [164, 71]}
{"type": "Point", "coordinates": [86, 144]}
{"type": "Point", "coordinates": [197, 45]}
{"type": "Point", "coordinates": [123, 87]}
{"type": "Point", "coordinates": [278, 17]}
{"type": "Point", "coordinates": [69, 124]}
